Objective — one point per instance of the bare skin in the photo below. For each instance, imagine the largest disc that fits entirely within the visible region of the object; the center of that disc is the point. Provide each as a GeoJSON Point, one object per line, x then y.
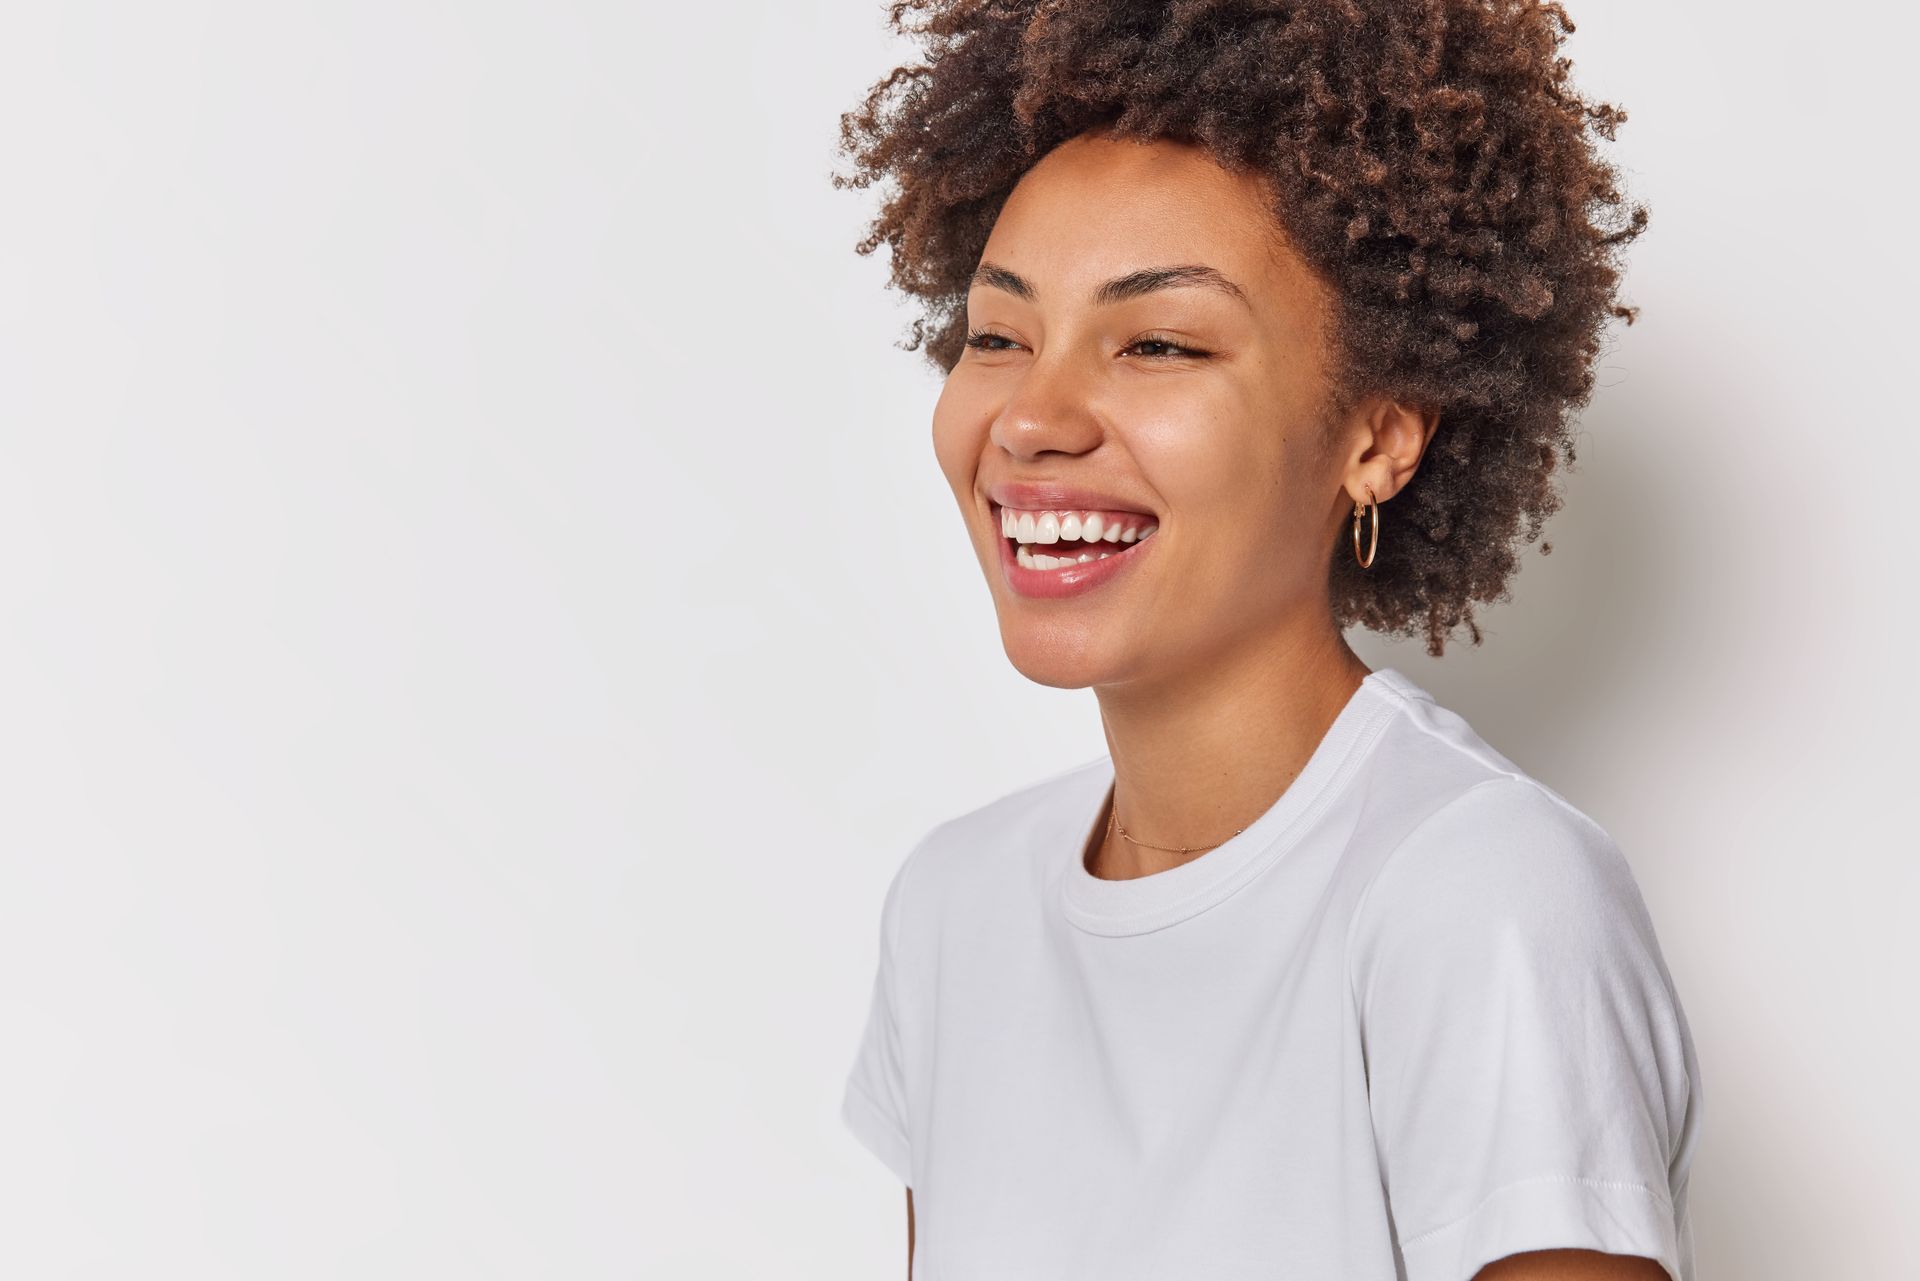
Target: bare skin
{"type": "Point", "coordinates": [1215, 661]}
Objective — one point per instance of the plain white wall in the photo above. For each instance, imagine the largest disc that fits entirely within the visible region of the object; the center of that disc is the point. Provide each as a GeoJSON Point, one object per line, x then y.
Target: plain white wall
{"type": "Point", "coordinates": [457, 730]}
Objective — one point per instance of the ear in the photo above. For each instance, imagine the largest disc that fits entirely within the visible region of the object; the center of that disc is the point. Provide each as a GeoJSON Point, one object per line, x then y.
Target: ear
{"type": "Point", "coordinates": [1386, 440]}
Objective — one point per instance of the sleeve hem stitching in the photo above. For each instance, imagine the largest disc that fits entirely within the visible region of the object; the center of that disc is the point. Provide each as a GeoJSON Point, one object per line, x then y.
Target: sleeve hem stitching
{"type": "Point", "coordinates": [1624, 1184]}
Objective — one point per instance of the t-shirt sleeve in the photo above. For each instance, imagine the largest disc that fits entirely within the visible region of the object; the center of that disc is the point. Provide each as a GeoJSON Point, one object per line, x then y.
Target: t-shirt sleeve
{"type": "Point", "coordinates": [1531, 1077]}
{"type": "Point", "coordinates": [874, 1105]}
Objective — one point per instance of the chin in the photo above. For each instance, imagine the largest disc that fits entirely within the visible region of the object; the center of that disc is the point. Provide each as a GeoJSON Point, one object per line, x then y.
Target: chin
{"type": "Point", "coordinates": [1057, 659]}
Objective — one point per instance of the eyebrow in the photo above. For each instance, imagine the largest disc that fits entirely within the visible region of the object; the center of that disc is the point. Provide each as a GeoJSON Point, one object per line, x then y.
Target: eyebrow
{"type": "Point", "coordinates": [1121, 288]}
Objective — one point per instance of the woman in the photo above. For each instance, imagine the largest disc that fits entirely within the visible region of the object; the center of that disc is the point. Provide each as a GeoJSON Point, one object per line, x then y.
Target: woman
{"type": "Point", "coordinates": [1261, 320]}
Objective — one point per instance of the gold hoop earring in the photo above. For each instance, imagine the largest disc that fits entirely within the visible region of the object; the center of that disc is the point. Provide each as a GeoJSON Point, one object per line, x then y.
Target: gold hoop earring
{"type": "Point", "coordinates": [1373, 544]}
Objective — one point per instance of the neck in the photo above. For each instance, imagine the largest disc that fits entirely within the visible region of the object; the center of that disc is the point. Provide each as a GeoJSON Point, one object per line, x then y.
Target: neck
{"type": "Point", "coordinates": [1200, 756]}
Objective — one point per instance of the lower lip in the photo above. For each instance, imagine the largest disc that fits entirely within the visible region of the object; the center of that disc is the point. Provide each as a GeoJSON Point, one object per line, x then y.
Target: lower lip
{"type": "Point", "coordinates": [1053, 584]}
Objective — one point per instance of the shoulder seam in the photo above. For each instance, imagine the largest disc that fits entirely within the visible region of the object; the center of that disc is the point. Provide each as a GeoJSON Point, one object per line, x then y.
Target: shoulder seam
{"type": "Point", "coordinates": [1463, 749]}
{"type": "Point", "coordinates": [1502, 771]}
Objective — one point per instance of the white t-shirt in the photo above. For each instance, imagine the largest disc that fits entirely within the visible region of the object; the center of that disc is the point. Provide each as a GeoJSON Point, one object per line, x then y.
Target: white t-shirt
{"type": "Point", "coordinates": [1412, 1020]}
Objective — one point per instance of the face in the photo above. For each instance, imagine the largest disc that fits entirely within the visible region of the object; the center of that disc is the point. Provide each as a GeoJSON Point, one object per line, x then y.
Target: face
{"type": "Point", "coordinates": [1101, 393]}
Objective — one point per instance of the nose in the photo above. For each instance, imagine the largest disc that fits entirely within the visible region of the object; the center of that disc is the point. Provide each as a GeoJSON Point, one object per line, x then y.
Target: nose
{"type": "Point", "coordinates": [1049, 411]}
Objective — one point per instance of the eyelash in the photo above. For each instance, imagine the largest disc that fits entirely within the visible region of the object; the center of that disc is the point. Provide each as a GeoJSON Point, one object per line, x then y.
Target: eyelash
{"type": "Point", "coordinates": [977, 339]}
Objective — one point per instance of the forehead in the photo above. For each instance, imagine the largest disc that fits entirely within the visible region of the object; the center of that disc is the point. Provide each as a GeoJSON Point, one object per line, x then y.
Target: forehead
{"type": "Point", "coordinates": [1097, 207]}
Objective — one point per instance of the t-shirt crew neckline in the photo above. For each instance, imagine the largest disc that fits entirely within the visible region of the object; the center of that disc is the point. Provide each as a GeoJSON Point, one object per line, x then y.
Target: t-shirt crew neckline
{"type": "Point", "coordinates": [1144, 903]}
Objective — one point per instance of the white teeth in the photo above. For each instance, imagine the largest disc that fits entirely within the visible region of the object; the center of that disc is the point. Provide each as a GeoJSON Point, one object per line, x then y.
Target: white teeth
{"type": "Point", "coordinates": [1040, 560]}
{"type": "Point", "coordinates": [1041, 527]}
{"type": "Point", "coordinates": [1031, 529]}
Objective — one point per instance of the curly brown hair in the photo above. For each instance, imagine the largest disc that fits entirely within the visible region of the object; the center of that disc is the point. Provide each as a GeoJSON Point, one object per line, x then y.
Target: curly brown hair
{"type": "Point", "coordinates": [1429, 159]}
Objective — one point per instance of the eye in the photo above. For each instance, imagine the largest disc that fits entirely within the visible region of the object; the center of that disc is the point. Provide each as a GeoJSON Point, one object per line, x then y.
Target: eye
{"type": "Point", "coordinates": [983, 340]}
{"type": "Point", "coordinates": [1151, 346]}
{"type": "Point", "coordinates": [1167, 348]}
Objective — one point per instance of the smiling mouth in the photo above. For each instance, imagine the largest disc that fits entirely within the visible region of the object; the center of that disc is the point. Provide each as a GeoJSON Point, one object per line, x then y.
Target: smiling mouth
{"type": "Point", "coordinates": [1057, 538]}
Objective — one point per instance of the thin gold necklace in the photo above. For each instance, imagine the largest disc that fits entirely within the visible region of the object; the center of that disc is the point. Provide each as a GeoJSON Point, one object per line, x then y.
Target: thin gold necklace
{"type": "Point", "coordinates": [1113, 825]}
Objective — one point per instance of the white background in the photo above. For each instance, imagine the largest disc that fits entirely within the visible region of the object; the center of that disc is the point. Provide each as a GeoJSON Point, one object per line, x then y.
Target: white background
{"type": "Point", "coordinates": [457, 717]}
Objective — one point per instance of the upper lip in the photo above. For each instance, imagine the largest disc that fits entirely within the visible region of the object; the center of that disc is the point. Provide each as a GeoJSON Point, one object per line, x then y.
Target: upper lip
{"type": "Point", "coordinates": [1046, 495]}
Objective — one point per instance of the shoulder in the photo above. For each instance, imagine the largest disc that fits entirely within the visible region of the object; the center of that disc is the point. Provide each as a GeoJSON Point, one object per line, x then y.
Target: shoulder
{"type": "Point", "coordinates": [1506, 865]}
{"type": "Point", "coordinates": [1468, 824]}
{"type": "Point", "coordinates": [981, 846]}
{"type": "Point", "coordinates": [1507, 831]}
{"type": "Point", "coordinates": [1027, 808]}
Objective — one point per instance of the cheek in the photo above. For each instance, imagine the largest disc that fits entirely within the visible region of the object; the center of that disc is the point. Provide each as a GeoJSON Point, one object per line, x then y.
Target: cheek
{"type": "Point", "coordinates": [1243, 478]}
{"type": "Point", "coordinates": [962, 419]}
{"type": "Point", "coordinates": [1209, 456]}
